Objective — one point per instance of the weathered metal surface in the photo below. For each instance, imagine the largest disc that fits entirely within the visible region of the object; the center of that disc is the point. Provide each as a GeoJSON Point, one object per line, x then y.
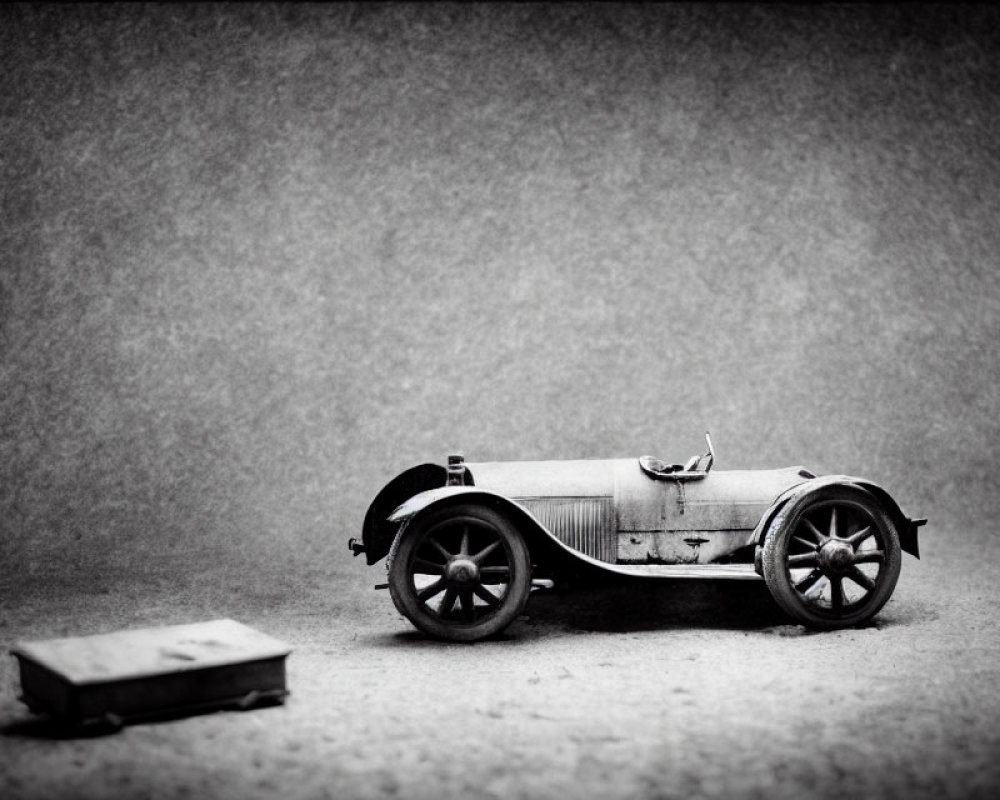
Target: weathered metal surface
{"type": "Point", "coordinates": [736, 499]}
{"type": "Point", "coordinates": [722, 500]}
{"type": "Point", "coordinates": [615, 512]}
{"type": "Point", "coordinates": [426, 500]}
{"type": "Point", "coordinates": [642, 503]}
{"type": "Point", "coordinates": [678, 547]}
{"type": "Point", "coordinates": [612, 512]}
{"type": "Point", "coordinates": [148, 672]}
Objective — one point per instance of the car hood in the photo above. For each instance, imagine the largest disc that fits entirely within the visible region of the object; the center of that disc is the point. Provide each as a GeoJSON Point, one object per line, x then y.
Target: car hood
{"type": "Point", "coordinates": [581, 478]}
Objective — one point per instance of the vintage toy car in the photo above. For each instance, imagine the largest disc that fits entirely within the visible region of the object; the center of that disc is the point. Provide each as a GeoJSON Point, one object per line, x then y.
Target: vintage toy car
{"type": "Point", "coordinates": [465, 542]}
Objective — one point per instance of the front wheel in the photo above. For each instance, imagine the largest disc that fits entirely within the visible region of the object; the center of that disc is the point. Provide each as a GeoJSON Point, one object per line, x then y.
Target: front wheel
{"type": "Point", "coordinates": [462, 573]}
{"type": "Point", "coordinates": [831, 560]}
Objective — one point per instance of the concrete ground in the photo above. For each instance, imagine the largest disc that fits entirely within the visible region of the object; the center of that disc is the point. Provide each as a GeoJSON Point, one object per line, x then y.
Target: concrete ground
{"type": "Point", "coordinates": [639, 690]}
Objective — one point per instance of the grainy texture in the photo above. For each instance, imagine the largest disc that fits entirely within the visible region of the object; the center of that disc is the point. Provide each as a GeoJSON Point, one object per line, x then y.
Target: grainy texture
{"type": "Point", "coordinates": [663, 690]}
{"type": "Point", "coordinates": [256, 259]}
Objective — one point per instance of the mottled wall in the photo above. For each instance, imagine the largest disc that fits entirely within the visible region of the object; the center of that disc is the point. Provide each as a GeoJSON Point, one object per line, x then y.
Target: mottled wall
{"type": "Point", "coordinates": [254, 259]}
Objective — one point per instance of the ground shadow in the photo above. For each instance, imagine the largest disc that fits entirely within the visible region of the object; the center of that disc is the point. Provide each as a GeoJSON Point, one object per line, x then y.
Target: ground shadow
{"type": "Point", "coordinates": [43, 726]}
{"type": "Point", "coordinates": [54, 729]}
{"type": "Point", "coordinates": [623, 606]}
{"type": "Point", "coordinates": [628, 605]}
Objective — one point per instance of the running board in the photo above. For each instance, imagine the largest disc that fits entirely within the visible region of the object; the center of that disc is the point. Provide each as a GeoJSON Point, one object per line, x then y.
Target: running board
{"type": "Point", "coordinates": [744, 572]}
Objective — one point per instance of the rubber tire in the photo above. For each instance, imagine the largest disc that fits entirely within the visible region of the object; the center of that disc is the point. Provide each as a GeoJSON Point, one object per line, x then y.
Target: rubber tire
{"type": "Point", "coordinates": [775, 551]}
{"type": "Point", "coordinates": [403, 593]}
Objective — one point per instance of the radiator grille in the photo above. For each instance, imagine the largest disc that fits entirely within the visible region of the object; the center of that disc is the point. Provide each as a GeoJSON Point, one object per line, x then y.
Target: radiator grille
{"type": "Point", "coordinates": [583, 523]}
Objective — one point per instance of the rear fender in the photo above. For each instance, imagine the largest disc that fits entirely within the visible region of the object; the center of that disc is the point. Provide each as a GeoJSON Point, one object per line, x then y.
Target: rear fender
{"type": "Point", "coordinates": [906, 527]}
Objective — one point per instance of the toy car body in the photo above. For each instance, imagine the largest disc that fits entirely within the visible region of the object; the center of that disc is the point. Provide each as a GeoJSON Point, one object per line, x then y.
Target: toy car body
{"type": "Point", "coordinates": [464, 542]}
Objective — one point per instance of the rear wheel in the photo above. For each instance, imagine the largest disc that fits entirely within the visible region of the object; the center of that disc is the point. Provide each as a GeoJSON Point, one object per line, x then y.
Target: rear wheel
{"type": "Point", "coordinates": [461, 574]}
{"type": "Point", "coordinates": [831, 560]}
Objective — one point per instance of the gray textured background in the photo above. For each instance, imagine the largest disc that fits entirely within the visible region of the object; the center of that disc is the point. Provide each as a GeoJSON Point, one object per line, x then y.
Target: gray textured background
{"type": "Point", "coordinates": [255, 259]}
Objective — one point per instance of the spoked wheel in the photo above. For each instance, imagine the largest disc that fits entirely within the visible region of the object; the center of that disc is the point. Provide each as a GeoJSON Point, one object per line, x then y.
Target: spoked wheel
{"type": "Point", "coordinates": [832, 560]}
{"type": "Point", "coordinates": [461, 574]}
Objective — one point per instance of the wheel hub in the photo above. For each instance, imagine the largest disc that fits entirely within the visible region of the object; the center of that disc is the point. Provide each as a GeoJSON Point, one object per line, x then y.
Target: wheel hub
{"type": "Point", "coordinates": [836, 557]}
{"type": "Point", "coordinates": [461, 571]}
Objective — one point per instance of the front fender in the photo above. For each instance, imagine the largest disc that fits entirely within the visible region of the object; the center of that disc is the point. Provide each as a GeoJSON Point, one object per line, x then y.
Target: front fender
{"type": "Point", "coordinates": [906, 527]}
{"type": "Point", "coordinates": [544, 546]}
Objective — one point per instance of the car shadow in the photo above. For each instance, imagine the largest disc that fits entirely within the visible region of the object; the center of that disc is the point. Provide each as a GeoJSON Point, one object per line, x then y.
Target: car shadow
{"type": "Point", "coordinates": [630, 605]}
